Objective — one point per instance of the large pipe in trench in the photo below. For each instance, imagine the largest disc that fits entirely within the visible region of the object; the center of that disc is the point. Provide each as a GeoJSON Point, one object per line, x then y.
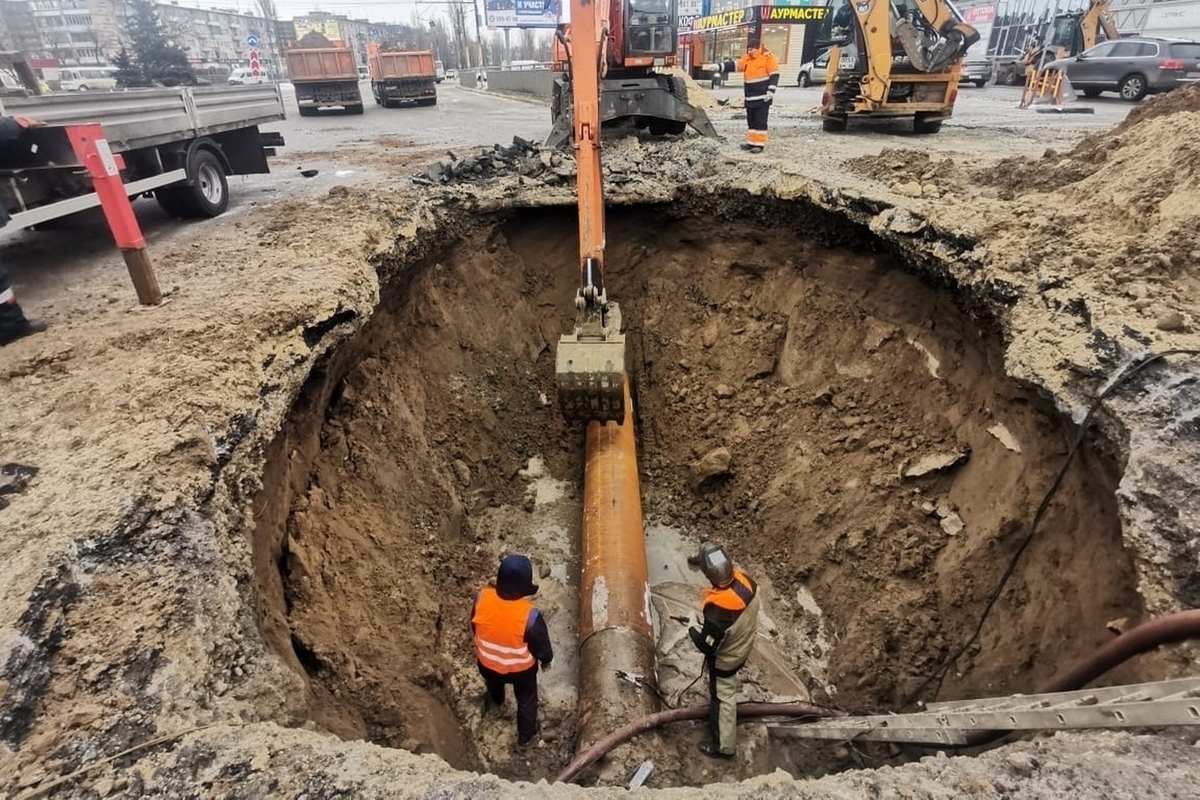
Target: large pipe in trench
{"type": "Point", "coordinates": [615, 630]}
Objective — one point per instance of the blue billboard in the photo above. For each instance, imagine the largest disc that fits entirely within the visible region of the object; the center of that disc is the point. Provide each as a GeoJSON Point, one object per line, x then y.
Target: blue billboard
{"type": "Point", "coordinates": [522, 13]}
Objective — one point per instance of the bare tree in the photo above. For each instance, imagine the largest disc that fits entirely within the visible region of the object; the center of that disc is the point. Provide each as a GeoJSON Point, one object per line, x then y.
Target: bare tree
{"type": "Point", "coordinates": [460, 12]}
{"type": "Point", "coordinates": [496, 53]}
{"type": "Point", "coordinates": [527, 46]}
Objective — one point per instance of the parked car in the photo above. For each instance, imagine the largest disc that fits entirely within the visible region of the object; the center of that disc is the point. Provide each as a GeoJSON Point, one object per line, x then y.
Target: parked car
{"type": "Point", "coordinates": [813, 71]}
{"type": "Point", "coordinates": [1133, 68]}
{"type": "Point", "coordinates": [364, 73]}
{"type": "Point", "coordinates": [977, 71]}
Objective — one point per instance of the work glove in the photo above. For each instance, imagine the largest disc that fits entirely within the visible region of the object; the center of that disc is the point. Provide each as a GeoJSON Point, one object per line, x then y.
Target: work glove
{"type": "Point", "coordinates": [29, 122]}
{"type": "Point", "coordinates": [770, 97]}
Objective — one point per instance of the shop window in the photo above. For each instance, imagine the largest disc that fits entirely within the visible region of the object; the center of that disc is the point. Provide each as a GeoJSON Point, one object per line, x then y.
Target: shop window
{"type": "Point", "coordinates": [775, 38]}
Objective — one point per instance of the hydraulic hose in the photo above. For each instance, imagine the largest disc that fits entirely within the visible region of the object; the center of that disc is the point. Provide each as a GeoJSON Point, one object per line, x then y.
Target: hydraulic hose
{"type": "Point", "coordinates": [1170, 629]}
{"type": "Point", "coordinates": [627, 732]}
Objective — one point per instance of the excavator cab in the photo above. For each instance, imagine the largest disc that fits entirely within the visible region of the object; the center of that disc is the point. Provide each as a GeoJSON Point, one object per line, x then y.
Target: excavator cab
{"type": "Point", "coordinates": [635, 38]}
{"type": "Point", "coordinates": [892, 59]}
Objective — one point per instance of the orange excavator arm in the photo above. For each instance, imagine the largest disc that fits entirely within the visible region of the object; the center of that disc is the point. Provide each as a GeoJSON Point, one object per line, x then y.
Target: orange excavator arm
{"type": "Point", "coordinates": [585, 86]}
{"type": "Point", "coordinates": [590, 361]}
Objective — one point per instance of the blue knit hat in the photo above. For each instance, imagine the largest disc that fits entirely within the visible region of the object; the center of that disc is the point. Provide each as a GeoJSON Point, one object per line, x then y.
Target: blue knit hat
{"type": "Point", "coordinates": [515, 578]}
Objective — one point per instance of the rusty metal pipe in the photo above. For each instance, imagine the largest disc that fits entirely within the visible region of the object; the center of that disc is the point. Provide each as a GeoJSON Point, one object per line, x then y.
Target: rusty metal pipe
{"type": "Point", "coordinates": [615, 631]}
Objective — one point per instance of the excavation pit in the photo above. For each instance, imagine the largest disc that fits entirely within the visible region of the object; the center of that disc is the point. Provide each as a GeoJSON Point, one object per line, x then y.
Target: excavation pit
{"type": "Point", "coordinates": [883, 470]}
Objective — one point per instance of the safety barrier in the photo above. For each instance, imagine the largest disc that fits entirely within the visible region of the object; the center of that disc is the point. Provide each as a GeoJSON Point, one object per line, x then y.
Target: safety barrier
{"type": "Point", "coordinates": [539, 82]}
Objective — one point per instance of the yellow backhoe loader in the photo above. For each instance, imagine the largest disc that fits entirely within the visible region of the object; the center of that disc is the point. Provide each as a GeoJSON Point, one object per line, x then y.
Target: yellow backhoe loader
{"type": "Point", "coordinates": [893, 59]}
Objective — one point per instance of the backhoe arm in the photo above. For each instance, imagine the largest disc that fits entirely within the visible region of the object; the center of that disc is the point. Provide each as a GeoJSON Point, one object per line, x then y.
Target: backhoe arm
{"type": "Point", "coordinates": [590, 361]}
{"type": "Point", "coordinates": [939, 38]}
{"type": "Point", "coordinates": [1098, 17]}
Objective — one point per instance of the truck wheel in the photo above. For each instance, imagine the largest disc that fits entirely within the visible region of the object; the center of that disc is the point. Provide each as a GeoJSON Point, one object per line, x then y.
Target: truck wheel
{"type": "Point", "coordinates": [170, 199]}
{"type": "Point", "coordinates": [355, 109]}
{"type": "Point", "coordinates": [308, 111]}
{"type": "Point", "coordinates": [208, 196]}
{"type": "Point", "coordinates": [833, 124]}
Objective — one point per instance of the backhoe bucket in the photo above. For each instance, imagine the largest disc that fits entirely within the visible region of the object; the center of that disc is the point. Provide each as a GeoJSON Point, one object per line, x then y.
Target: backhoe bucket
{"type": "Point", "coordinates": [591, 378]}
{"type": "Point", "coordinates": [589, 370]}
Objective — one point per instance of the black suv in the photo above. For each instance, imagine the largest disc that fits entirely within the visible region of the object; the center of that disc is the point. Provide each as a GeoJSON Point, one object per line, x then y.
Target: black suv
{"type": "Point", "coordinates": [1133, 68]}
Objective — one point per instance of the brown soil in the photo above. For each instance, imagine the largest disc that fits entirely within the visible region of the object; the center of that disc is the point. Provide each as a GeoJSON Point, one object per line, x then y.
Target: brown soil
{"type": "Point", "coordinates": [826, 372]}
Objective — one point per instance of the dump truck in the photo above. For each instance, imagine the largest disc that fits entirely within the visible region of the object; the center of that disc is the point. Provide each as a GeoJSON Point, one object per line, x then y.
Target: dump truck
{"type": "Point", "coordinates": [324, 74]}
{"type": "Point", "coordinates": [177, 144]}
{"type": "Point", "coordinates": [399, 76]}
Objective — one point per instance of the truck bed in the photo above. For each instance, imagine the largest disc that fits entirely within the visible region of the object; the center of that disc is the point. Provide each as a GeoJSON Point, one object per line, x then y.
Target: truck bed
{"type": "Point", "coordinates": [149, 117]}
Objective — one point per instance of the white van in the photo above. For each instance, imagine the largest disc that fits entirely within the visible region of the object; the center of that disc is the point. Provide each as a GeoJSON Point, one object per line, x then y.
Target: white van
{"type": "Point", "coordinates": [87, 79]}
{"type": "Point", "coordinates": [243, 77]}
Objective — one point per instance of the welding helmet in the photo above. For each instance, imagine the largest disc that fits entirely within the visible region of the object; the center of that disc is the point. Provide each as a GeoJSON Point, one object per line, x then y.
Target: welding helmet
{"type": "Point", "coordinates": [716, 564]}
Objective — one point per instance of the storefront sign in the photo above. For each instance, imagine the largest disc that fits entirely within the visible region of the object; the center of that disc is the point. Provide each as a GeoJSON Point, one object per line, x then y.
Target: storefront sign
{"type": "Point", "coordinates": [726, 19]}
{"type": "Point", "coordinates": [785, 15]}
{"type": "Point", "coordinates": [792, 14]}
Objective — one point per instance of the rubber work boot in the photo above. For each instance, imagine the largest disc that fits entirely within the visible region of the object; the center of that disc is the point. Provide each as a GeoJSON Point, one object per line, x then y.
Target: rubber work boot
{"type": "Point", "coordinates": [27, 328]}
{"type": "Point", "coordinates": [709, 749]}
{"type": "Point", "coordinates": [525, 743]}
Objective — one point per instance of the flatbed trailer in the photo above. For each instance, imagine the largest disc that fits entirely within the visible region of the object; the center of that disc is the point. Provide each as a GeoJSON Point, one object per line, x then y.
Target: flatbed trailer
{"type": "Point", "coordinates": [179, 144]}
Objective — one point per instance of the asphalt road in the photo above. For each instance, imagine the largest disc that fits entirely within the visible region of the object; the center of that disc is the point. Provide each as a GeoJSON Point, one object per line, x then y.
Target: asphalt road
{"type": "Point", "coordinates": [344, 150]}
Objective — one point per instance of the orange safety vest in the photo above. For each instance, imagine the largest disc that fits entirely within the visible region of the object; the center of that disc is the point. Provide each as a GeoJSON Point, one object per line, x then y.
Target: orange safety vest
{"type": "Point", "coordinates": [734, 597]}
{"type": "Point", "coordinates": [500, 632]}
{"type": "Point", "coordinates": [759, 67]}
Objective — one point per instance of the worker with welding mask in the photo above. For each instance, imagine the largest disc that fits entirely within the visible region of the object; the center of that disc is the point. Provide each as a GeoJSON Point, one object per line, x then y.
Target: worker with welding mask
{"type": "Point", "coordinates": [726, 638]}
{"type": "Point", "coordinates": [511, 639]}
{"type": "Point", "coordinates": [759, 82]}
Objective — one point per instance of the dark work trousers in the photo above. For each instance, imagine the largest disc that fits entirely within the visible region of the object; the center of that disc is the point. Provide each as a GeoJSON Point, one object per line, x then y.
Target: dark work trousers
{"type": "Point", "coordinates": [12, 319]}
{"type": "Point", "coordinates": [525, 688]}
{"type": "Point", "coordinates": [756, 123]}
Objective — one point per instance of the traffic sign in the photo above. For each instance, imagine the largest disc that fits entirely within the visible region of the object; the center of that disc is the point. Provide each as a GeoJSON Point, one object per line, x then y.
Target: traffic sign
{"type": "Point", "coordinates": [254, 64]}
{"type": "Point", "coordinates": [252, 40]}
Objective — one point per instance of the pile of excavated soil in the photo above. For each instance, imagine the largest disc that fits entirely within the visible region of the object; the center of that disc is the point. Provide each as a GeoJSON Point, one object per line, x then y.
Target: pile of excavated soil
{"type": "Point", "coordinates": [697, 95]}
{"type": "Point", "coordinates": [1154, 147]}
{"type": "Point", "coordinates": [909, 172]}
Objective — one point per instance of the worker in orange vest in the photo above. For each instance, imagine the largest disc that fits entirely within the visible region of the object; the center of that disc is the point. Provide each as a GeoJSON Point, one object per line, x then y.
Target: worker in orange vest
{"type": "Point", "coordinates": [730, 610]}
{"type": "Point", "coordinates": [511, 639]}
{"type": "Point", "coordinates": [761, 69]}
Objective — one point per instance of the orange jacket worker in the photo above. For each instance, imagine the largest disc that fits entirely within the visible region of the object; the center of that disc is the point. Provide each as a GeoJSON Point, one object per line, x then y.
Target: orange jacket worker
{"type": "Point", "coordinates": [761, 69]}
{"type": "Point", "coordinates": [511, 639]}
{"type": "Point", "coordinates": [730, 611]}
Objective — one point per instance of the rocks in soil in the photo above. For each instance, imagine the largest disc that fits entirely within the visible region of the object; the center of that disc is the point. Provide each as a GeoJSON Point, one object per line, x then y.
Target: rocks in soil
{"type": "Point", "coordinates": [522, 157]}
{"type": "Point", "coordinates": [713, 464]}
{"type": "Point", "coordinates": [935, 462]}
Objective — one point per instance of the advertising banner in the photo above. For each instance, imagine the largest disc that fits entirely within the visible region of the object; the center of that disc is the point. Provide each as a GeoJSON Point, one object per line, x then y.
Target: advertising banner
{"type": "Point", "coordinates": [522, 13]}
{"type": "Point", "coordinates": [981, 18]}
{"type": "Point", "coordinates": [689, 10]}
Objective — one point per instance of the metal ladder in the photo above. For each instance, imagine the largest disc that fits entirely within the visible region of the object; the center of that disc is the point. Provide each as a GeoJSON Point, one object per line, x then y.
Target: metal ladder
{"type": "Point", "coordinates": [1141, 705]}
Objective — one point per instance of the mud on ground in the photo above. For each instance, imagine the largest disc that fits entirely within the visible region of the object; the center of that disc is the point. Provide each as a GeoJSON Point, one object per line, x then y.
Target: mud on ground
{"type": "Point", "coordinates": [139, 599]}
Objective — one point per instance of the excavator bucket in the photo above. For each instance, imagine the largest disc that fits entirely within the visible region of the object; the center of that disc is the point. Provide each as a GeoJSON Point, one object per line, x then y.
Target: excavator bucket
{"type": "Point", "coordinates": [589, 370]}
{"type": "Point", "coordinates": [660, 102]}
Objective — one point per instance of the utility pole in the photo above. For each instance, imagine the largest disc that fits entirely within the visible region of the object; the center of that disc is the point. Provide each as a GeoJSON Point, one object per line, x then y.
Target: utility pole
{"type": "Point", "coordinates": [478, 31]}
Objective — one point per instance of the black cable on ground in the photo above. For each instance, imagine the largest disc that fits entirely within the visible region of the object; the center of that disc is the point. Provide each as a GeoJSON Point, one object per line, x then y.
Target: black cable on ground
{"type": "Point", "coordinates": [1117, 382]}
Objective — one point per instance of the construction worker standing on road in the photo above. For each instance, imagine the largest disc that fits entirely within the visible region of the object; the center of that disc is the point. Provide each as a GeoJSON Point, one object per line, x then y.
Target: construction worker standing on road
{"type": "Point", "coordinates": [511, 638]}
{"type": "Point", "coordinates": [13, 322]}
{"type": "Point", "coordinates": [730, 610]}
{"type": "Point", "coordinates": [761, 69]}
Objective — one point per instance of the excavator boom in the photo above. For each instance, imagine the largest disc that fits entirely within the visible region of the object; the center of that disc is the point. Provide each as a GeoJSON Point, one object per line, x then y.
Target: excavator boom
{"type": "Point", "coordinates": [590, 361]}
